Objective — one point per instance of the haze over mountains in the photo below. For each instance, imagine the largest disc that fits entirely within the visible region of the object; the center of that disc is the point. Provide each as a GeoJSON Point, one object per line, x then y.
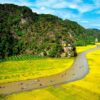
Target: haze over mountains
{"type": "Point", "coordinates": [25, 32]}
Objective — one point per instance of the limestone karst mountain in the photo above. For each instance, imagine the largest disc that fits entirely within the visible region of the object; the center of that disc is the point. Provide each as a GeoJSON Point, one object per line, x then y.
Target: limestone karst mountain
{"type": "Point", "coordinates": [25, 32]}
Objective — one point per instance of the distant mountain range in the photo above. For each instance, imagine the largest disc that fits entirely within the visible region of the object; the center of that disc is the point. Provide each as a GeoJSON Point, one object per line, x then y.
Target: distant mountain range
{"type": "Point", "coordinates": [25, 32]}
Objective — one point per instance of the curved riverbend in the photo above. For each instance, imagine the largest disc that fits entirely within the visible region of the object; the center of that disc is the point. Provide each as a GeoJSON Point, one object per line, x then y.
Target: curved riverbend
{"type": "Point", "coordinates": [77, 71]}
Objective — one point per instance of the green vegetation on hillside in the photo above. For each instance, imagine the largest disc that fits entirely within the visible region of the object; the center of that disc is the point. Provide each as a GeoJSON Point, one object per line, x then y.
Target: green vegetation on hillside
{"type": "Point", "coordinates": [25, 32]}
{"type": "Point", "coordinates": [94, 33]}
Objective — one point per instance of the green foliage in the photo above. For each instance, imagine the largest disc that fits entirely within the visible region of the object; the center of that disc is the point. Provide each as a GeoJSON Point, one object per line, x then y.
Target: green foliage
{"type": "Point", "coordinates": [22, 57]}
{"type": "Point", "coordinates": [19, 32]}
{"type": "Point", "coordinates": [25, 32]}
{"type": "Point", "coordinates": [2, 97]}
{"type": "Point", "coordinates": [55, 51]}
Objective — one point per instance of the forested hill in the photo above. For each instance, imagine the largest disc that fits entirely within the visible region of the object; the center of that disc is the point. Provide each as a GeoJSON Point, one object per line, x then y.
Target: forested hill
{"type": "Point", "coordinates": [25, 32]}
{"type": "Point", "coordinates": [94, 32]}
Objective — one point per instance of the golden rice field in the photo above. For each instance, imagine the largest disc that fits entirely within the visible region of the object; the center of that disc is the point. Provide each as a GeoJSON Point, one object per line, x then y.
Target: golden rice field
{"type": "Point", "coordinates": [26, 67]}
{"type": "Point", "coordinates": [29, 69]}
{"type": "Point", "coordinates": [98, 43]}
{"type": "Point", "coordinates": [80, 49]}
{"type": "Point", "coordinates": [86, 89]}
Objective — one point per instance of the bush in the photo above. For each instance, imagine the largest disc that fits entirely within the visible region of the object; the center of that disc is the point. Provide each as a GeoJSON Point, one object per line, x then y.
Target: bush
{"type": "Point", "coordinates": [55, 50]}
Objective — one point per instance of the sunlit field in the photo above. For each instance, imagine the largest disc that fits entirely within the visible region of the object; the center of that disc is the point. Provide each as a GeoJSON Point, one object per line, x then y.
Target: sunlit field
{"type": "Point", "coordinates": [80, 49]}
{"type": "Point", "coordinates": [98, 43]}
{"type": "Point", "coordinates": [25, 67]}
{"type": "Point", "coordinates": [17, 69]}
{"type": "Point", "coordinates": [86, 89]}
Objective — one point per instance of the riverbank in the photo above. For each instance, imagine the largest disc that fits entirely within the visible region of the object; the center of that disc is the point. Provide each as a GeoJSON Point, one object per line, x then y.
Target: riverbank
{"type": "Point", "coordinates": [77, 71]}
{"type": "Point", "coordinates": [84, 89]}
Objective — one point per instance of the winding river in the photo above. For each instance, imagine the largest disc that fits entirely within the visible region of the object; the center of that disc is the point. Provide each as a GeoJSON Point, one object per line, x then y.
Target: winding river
{"type": "Point", "coordinates": [77, 71]}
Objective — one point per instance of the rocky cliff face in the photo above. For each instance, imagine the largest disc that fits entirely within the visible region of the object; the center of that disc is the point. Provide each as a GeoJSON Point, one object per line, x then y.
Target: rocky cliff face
{"type": "Point", "coordinates": [25, 32]}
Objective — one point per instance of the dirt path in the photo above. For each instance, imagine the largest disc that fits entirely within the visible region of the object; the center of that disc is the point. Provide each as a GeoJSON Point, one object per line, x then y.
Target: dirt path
{"type": "Point", "coordinates": [77, 71]}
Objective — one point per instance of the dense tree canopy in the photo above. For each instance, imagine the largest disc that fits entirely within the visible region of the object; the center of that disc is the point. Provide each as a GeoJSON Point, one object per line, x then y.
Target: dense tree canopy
{"type": "Point", "coordinates": [25, 32]}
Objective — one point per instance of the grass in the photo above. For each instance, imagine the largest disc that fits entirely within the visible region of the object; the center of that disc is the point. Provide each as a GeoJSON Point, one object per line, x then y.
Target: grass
{"type": "Point", "coordinates": [87, 88]}
{"type": "Point", "coordinates": [26, 67]}
{"type": "Point", "coordinates": [22, 58]}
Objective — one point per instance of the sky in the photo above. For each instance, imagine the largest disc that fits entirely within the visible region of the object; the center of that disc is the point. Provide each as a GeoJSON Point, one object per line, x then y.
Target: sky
{"type": "Point", "coordinates": [85, 12]}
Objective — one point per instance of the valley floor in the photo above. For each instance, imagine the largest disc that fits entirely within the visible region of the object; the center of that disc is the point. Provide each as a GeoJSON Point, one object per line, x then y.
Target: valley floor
{"type": "Point", "coordinates": [24, 67]}
{"type": "Point", "coordinates": [77, 71]}
{"type": "Point", "coordinates": [83, 89]}
{"type": "Point", "coordinates": [20, 69]}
